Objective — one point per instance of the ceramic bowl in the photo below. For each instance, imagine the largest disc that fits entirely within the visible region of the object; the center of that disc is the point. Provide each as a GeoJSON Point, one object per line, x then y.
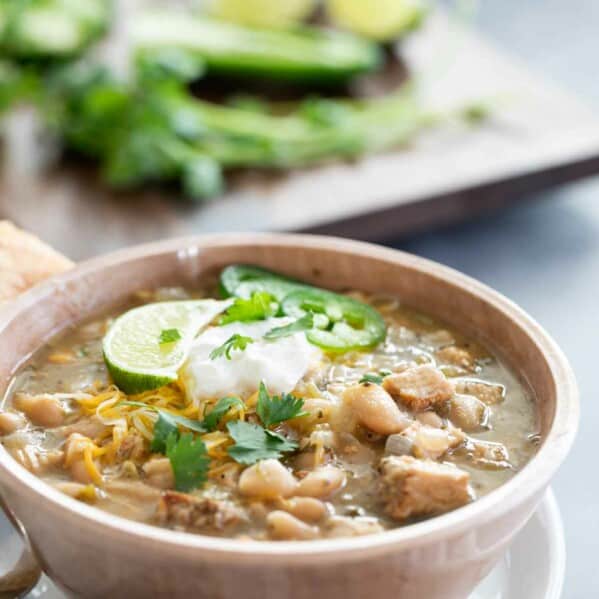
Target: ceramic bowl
{"type": "Point", "coordinates": [94, 554]}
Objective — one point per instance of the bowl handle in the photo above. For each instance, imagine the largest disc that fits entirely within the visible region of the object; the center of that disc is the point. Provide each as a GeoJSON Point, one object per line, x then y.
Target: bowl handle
{"type": "Point", "coordinates": [26, 572]}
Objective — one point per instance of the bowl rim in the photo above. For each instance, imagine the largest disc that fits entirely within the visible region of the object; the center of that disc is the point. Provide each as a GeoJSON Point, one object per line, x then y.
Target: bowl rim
{"type": "Point", "coordinates": [527, 483]}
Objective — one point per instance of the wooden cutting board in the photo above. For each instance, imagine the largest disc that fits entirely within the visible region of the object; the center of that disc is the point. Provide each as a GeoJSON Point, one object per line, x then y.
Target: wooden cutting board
{"type": "Point", "coordinates": [538, 137]}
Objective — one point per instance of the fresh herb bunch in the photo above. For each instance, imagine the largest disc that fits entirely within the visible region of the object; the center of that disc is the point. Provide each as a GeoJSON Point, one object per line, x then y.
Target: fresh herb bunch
{"type": "Point", "coordinates": [75, 25]}
{"type": "Point", "coordinates": [154, 130]}
{"type": "Point", "coordinates": [16, 84]}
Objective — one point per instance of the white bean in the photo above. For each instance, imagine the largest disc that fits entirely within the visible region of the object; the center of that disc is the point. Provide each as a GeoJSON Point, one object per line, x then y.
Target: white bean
{"type": "Point", "coordinates": [307, 509]}
{"type": "Point", "coordinates": [318, 411]}
{"type": "Point", "coordinates": [342, 526]}
{"type": "Point", "coordinates": [430, 418]}
{"type": "Point", "coordinates": [375, 409]}
{"type": "Point", "coordinates": [42, 410]}
{"type": "Point", "coordinates": [267, 479]}
{"type": "Point", "coordinates": [322, 482]}
{"type": "Point", "coordinates": [159, 473]}
{"type": "Point", "coordinates": [285, 527]}
{"type": "Point", "coordinates": [468, 412]}
{"type": "Point", "coordinates": [10, 422]}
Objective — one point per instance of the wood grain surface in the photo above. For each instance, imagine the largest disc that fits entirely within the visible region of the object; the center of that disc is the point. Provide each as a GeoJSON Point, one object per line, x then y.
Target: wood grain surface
{"type": "Point", "coordinates": [539, 136]}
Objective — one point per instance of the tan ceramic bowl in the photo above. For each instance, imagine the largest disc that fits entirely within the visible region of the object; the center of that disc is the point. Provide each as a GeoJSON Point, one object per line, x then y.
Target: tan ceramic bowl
{"type": "Point", "coordinates": [95, 554]}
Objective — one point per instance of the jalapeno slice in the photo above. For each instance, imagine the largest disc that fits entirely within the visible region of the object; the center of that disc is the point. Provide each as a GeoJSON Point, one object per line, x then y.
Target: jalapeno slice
{"type": "Point", "coordinates": [241, 280]}
{"type": "Point", "coordinates": [342, 323]}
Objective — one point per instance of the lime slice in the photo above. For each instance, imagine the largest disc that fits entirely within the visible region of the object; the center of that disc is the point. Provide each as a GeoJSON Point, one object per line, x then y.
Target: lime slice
{"type": "Point", "coordinates": [262, 13]}
{"type": "Point", "coordinates": [381, 20]}
{"type": "Point", "coordinates": [146, 346]}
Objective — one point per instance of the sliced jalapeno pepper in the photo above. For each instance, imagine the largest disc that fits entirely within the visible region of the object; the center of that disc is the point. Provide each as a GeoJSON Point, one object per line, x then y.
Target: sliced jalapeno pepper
{"type": "Point", "coordinates": [241, 280]}
{"type": "Point", "coordinates": [345, 323]}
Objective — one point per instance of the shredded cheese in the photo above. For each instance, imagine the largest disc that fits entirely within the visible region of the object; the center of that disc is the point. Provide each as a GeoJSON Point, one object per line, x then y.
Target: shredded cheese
{"type": "Point", "coordinates": [109, 405]}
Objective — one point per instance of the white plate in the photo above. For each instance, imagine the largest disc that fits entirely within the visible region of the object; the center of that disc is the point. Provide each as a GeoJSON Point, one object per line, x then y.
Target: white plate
{"type": "Point", "coordinates": [535, 564]}
{"type": "Point", "coordinates": [533, 568]}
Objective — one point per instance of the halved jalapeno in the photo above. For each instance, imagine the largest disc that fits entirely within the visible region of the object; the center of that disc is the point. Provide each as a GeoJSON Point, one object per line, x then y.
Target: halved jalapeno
{"type": "Point", "coordinates": [241, 280]}
{"type": "Point", "coordinates": [342, 323]}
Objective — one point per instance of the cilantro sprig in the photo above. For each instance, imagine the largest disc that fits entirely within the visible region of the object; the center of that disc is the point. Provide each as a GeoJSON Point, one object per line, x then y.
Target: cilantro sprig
{"type": "Point", "coordinates": [235, 342]}
{"type": "Point", "coordinates": [254, 443]}
{"type": "Point", "coordinates": [273, 409]}
{"type": "Point", "coordinates": [188, 455]}
{"type": "Point", "coordinates": [259, 306]}
{"type": "Point", "coordinates": [305, 323]}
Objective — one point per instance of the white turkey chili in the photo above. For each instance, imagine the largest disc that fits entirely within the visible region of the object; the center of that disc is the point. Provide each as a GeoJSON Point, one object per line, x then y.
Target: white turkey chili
{"type": "Point", "coordinates": [278, 411]}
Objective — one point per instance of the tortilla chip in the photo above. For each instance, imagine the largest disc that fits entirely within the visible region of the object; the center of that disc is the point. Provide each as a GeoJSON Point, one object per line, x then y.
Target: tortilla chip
{"type": "Point", "coordinates": [25, 261]}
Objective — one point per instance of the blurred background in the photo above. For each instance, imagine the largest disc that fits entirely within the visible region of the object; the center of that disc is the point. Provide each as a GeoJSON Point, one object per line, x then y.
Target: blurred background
{"type": "Point", "coordinates": [465, 133]}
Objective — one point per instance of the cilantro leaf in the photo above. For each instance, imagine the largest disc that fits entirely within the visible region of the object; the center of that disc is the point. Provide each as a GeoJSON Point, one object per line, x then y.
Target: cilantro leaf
{"type": "Point", "coordinates": [166, 424]}
{"type": "Point", "coordinates": [189, 460]}
{"type": "Point", "coordinates": [259, 306]}
{"type": "Point", "coordinates": [163, 429]}
{"type": "Point", "coordinates": [223, 405]}
{"type": "Point", "coordinates": [274, 409]}
{"type": "Point", "coordinates": [377, 379]}
{"type": "Point", "coordinates": [305, 323]}
{"type": "Point", "coordinates": [188, 456]}
{"type": "Point", "coordinates": [253, 443]}
{"type": "Point", "coordinates": [169, 336]}
{"type": "Point", "coordinates": [234, 342]}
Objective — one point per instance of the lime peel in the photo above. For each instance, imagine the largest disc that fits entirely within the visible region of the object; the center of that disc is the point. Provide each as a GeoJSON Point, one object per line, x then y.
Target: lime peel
{"type": "Point", "coordinates": [133, 354]}
{"type": "Point", "coordinates": [382, 20]}
{"type": "Point", "coordinates": [263, 13]}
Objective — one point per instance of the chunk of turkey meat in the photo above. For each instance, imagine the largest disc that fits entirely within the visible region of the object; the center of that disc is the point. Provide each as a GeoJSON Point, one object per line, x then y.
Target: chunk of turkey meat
{"type": "Point", "coordinates": [198, 514]}
{"type": "Point", "coordinates": [410, 487]}
{"type": "Point", "coordinates": [419, 388]}
{"type": "Point", "coordinates": [456, 356]}
{"type": "Point", "coordinates": [488, 393]}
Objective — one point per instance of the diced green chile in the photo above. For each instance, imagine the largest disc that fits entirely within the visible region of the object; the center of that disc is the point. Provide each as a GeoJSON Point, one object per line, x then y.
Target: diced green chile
{"type": "Point", "coordinates": [349, 324]}
{"type": "Point", "coordinates": [241, 280]}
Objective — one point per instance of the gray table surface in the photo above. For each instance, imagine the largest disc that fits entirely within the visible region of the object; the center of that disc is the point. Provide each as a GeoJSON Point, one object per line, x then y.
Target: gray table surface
{"type": "Point", "coordinates": [545, 255]}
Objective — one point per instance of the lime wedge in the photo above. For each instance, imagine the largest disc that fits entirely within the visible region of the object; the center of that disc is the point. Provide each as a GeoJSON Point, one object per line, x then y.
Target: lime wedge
{"type": "Point", "coordinates": [381, 20]}
{"type": "Point", "coordinates": [262, 13]}
{"type": "Point", "coordinates": [146, 346]}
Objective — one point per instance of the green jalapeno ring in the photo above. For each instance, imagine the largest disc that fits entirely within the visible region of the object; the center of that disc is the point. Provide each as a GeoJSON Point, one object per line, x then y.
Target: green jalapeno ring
{"type": "Point", "coordinates": [349, 324]}
{"type": "Point", "coordinates": [241, 280]}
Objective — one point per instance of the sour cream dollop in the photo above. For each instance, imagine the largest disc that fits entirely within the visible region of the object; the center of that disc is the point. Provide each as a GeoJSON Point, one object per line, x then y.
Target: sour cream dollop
{"type": "Point", "coordinates": [280, 363]}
